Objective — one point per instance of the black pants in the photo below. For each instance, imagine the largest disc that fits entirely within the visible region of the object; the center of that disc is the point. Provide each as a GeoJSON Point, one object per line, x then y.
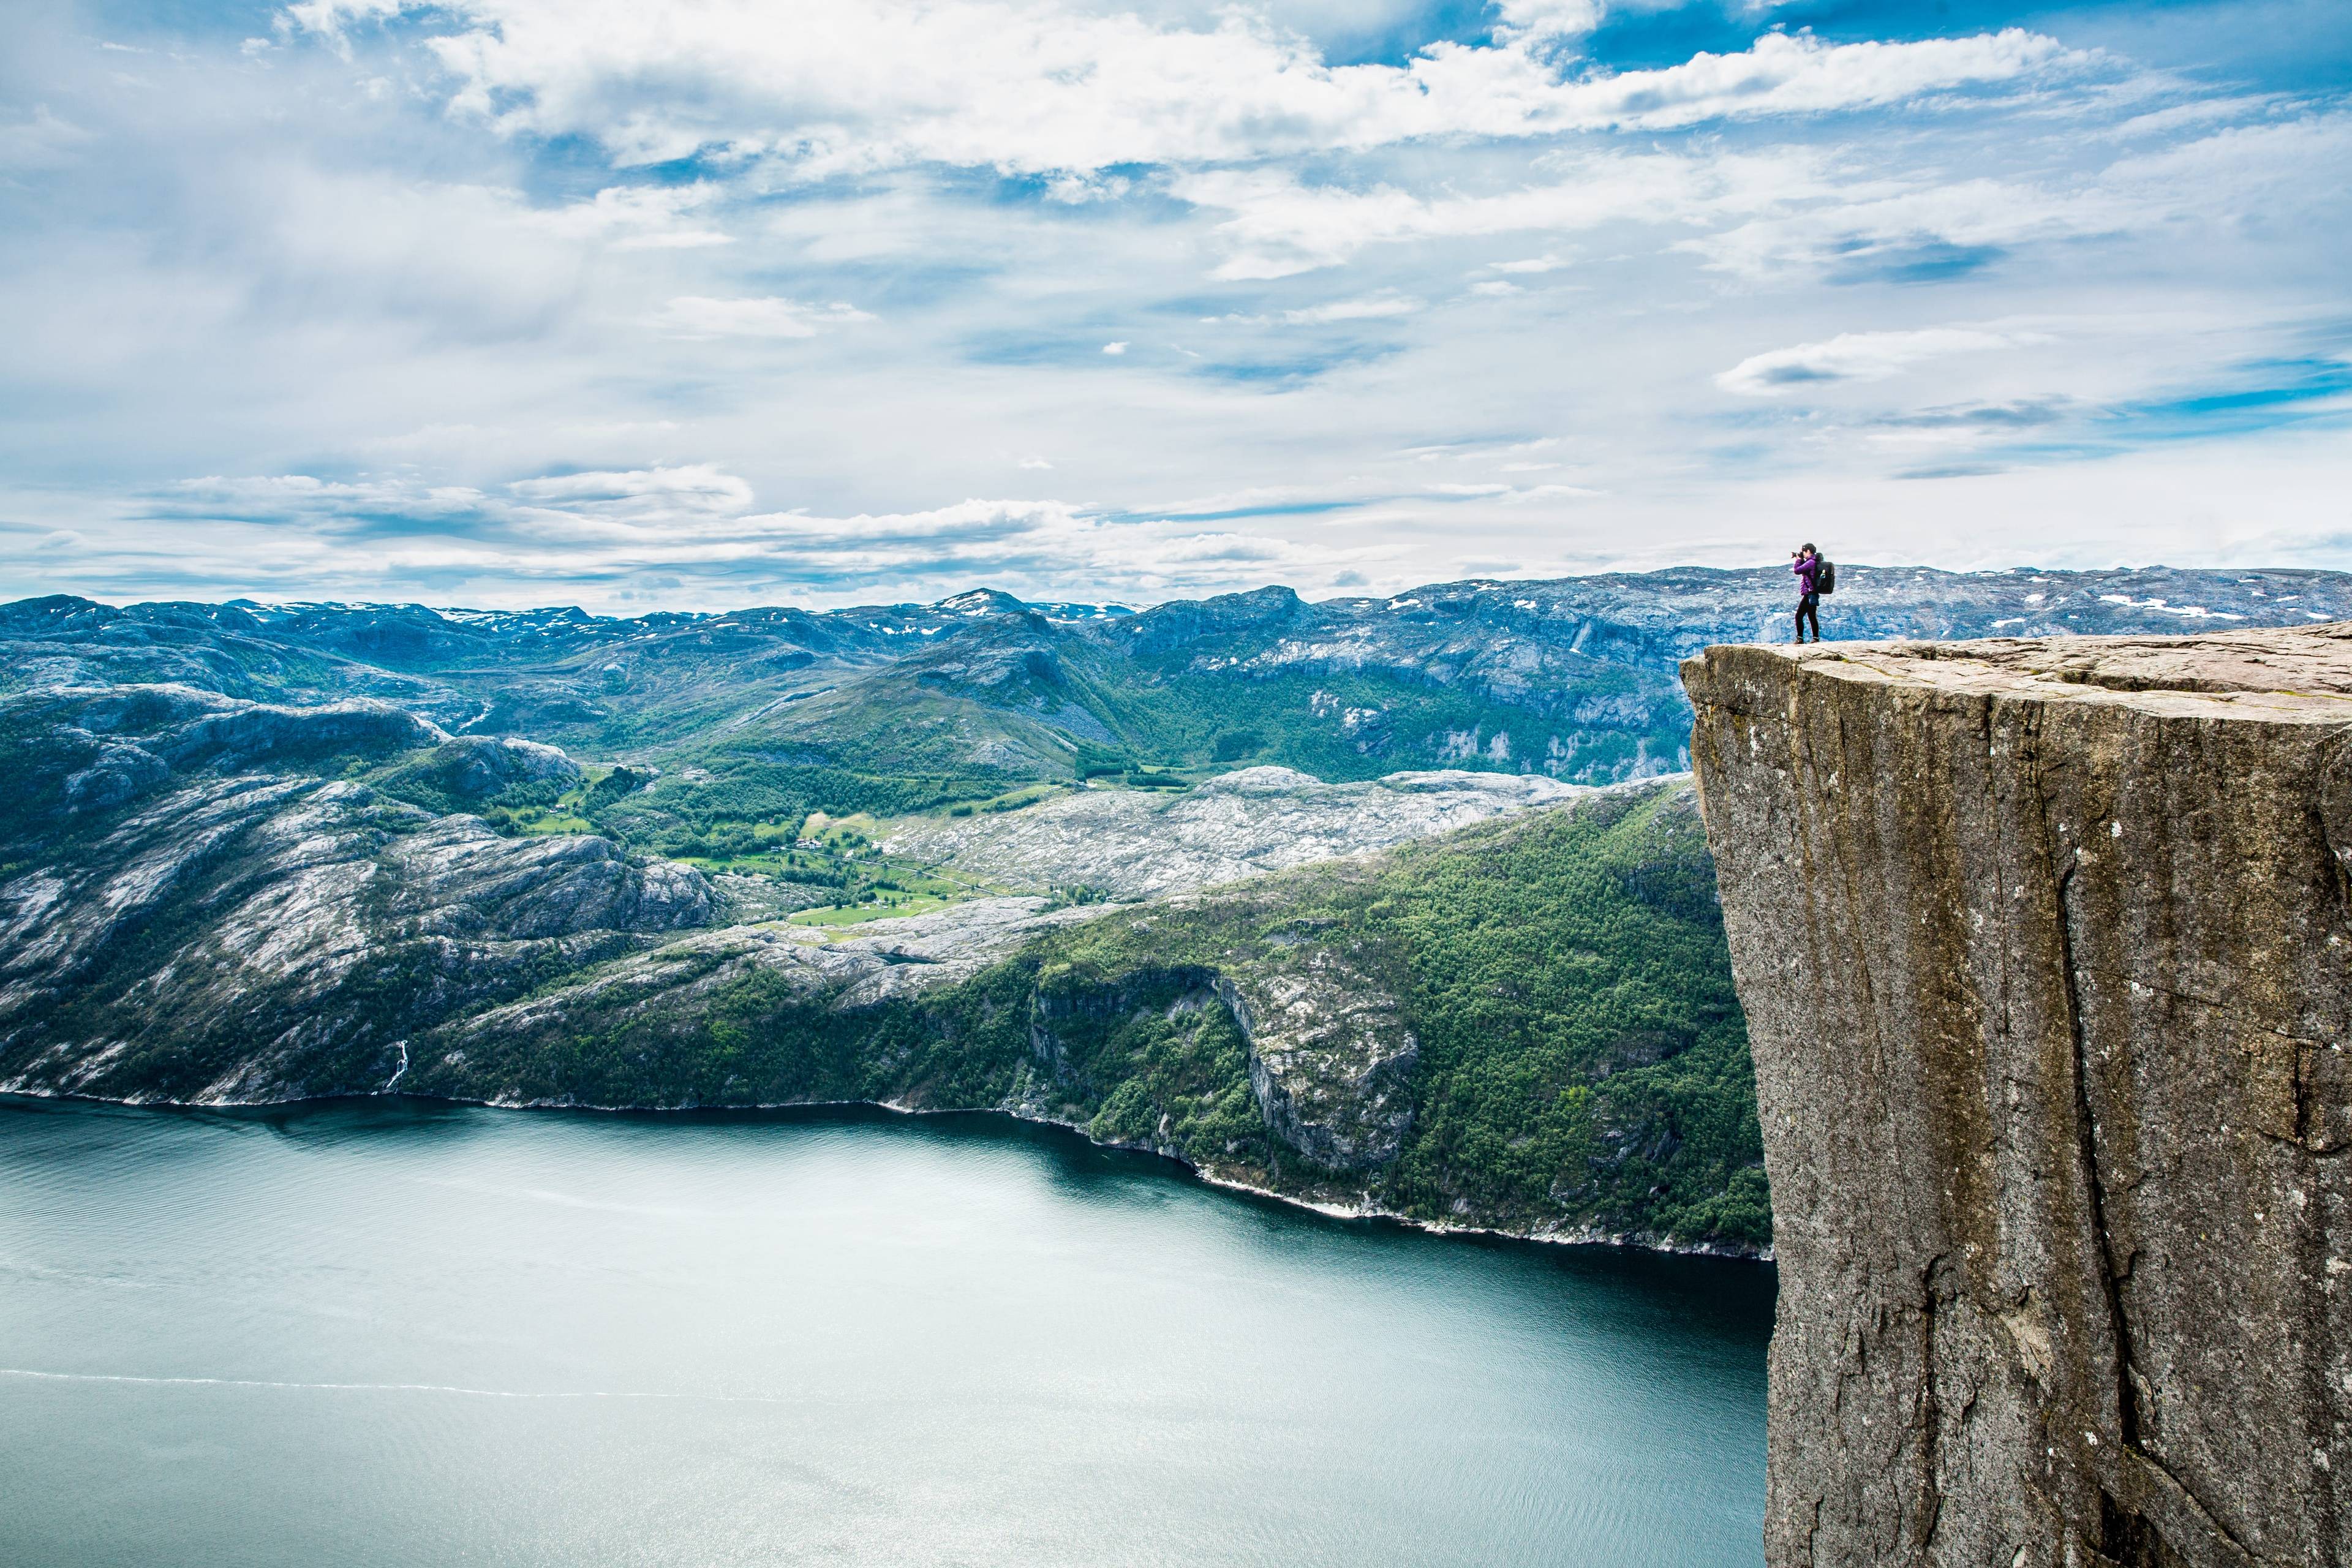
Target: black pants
{"type": "Point", "coordinates": [1809, 608]}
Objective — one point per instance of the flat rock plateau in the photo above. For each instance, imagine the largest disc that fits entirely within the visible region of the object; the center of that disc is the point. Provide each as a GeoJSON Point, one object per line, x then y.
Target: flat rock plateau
{"type": "Point", "coordinates": [2042, 946]}
{"type": "Point", "coordinates": [1134, 844]}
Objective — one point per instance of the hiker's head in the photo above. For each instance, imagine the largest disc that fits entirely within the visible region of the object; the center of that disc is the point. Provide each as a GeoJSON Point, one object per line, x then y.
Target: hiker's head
{"type": "Point", "coordinates": [1808, 549]}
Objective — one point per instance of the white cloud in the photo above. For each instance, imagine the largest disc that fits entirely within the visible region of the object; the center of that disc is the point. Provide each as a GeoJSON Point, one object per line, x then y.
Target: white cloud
{"type": "Point", "coordinates": [1786, 209]}
{"type": "Point", "coordinates": [533, 370]}
{"type": "Point", "coordinates": [1364, 307]}
{"type": "Point", "coordinates": [1510, 495]}
{"type": "Point", "coordinates": [1054, 89]}
{"type": "Point", "coordinates": [675, 498]}
{"type": "Point", "coordinates": [1548, 19]}
{"type": "Point", "coordinates": [1280, 226]}
{"type": "Point", "coordinates": [695, 316]}
{"type": "Point", "coordinates": [1494, 288]}
{"type": "Point", "coordinates": [2281, 172]}
{"type": "Point", "coordinates": [40, 141]}
{"type": "Point", "coordinates": [307, 498]}
{"type": "Point", "coordinates": [1881, 219]}
{"type": "Point", "coordinates": [1114, 348]}
{"type": "Point", "coordinates": [695, 525]}
{"type": "Point", "coordinates": [2247, 167]}
{"type": "Point", "coordinates": [644, 217]}
{"type": "Point", "coordinates": [1785, 73]}
{"type": "Point", "coordinates": [328, 16]}
{"type": "Point", "coordinates": [1858, 356]}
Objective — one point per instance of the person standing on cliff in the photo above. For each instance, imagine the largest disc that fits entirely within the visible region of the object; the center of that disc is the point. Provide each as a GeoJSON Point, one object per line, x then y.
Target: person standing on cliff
{"type": "Point", "coordinates": [1808, 569]}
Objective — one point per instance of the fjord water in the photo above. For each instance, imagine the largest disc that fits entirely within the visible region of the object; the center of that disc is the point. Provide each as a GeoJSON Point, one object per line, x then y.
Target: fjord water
{"type": "Point", "coordinates": [391, 1333]}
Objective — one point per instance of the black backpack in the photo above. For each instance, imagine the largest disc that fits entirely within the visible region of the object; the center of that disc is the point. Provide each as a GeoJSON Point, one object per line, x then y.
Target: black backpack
{"type": "Point", "coordinates": [1824, 575]}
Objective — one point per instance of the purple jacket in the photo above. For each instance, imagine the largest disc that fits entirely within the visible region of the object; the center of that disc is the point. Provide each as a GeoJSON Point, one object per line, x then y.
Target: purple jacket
{"type": "Point", "coordinates": [1807, 570]}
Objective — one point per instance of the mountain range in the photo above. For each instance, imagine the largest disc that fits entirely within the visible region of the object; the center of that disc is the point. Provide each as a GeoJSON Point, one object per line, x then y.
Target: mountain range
{"type": "Point", "coordinates": [1382, 902]}
{"type": "Point", "coordinates": [1574, 678]}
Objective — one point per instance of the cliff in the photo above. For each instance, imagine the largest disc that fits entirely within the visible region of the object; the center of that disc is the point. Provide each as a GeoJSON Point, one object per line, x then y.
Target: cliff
{"type": "Point", "coordinates": [2043, 948]}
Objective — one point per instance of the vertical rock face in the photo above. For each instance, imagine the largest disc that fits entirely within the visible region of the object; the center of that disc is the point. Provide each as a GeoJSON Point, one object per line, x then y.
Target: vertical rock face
{"type": "Point", "coordinates": [2047, 959]}
{"type": "Point", "coordinates": [1330, 1059]}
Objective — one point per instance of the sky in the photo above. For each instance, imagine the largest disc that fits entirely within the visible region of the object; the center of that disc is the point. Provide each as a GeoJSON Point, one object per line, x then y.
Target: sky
{"type": "Point", "coordinates": [699, 304]}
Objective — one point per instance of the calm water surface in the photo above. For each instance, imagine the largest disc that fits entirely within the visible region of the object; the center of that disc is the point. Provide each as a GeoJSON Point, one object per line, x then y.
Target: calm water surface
{"type": "Point", "coordinates": [399, 1334]}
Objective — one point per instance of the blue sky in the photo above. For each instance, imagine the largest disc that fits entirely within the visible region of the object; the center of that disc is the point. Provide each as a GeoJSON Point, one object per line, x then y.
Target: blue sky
{"type": "Point", "coordinates": [642, 303]}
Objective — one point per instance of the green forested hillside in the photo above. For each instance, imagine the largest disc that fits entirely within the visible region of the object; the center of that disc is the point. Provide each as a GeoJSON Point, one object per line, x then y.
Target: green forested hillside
{"type": "Point", "coordinates": [1556, 987]}
{"type": "Point", "coordinates": [1581, 1054]}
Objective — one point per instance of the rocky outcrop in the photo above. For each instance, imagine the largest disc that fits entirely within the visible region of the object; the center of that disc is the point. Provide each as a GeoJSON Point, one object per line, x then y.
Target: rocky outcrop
{"type": "Point", "coordinates": [864, 967]}
{"type": "Point", "coordinates": [266, 937]}
{"type": "Point", "coordinates": [1326, 1050]}
{"type": "Point", "coordinates": [1135, 844]}
{"type": "Point", "coordinates": [1330, 1059]}
{"type": "Point", "coordinates": [2044, 947]}
{"type": "Point", "coordinates": [88, 749]}
{"type": "Point", "coordinates": [476, 767]}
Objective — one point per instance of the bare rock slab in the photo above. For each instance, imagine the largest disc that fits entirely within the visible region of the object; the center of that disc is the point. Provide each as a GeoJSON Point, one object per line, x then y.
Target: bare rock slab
{"type": "Point", "coordinates": [2047, 952]}
{"type": "Point", "coordinates": [1132, 844]}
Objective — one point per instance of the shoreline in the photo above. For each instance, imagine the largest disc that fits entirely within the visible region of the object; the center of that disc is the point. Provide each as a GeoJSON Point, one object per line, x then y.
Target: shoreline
{"type": "Point", "coordinates": [1589, 1236]}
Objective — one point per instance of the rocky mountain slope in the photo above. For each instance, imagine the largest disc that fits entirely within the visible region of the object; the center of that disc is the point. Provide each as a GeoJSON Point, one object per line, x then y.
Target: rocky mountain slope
{"type": "Point", "coordinates": [2042, 944]}
{"type": "Point", "coordinates": [1361, 1031]}
{"type": "Point", "coordinates": [197, 904]}
{"type": "Point", "coordinates": [208, 899]}
{"type": "Point", "coordinates": [1527, 1025]}
{"type": "Point", "coordinates": [1132, 844]}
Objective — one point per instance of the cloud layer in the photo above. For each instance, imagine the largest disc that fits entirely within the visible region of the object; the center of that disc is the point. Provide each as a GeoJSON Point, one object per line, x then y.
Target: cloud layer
{"type": "Point", "coordinates": [862, 85]}
{"type": "Point", "coordinates": [644, 301]}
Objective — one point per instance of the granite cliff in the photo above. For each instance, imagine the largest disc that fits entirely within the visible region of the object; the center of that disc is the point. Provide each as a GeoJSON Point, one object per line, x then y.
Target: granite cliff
{"type": "Point", "coordinates": [2042, 946]}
